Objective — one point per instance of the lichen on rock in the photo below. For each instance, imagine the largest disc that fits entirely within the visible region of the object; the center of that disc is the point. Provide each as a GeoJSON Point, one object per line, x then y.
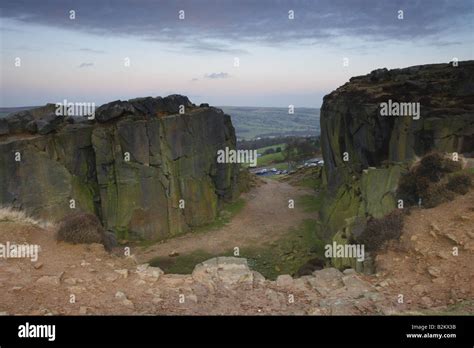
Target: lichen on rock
{"type": "Point", "coordinates": [131, 166]}
{"type": "Point", "coordinates": [365, 154]}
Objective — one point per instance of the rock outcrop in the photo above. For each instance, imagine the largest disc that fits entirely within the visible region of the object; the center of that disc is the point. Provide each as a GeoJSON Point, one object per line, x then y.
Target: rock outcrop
{"type": "Point", "coordinates": [132, 165]}
{"type": "Point", "coordinates": [365, 152]}
{"type": "Point", "coordinates": [351, 120]}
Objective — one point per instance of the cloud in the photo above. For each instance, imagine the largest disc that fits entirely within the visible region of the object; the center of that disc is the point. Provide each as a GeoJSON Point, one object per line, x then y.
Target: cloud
{"type": "Point", "coordinates": [214, 47]}
{"type": "Point", "coordinates": [194, 79]}
{"type": "Point", "coordinates": [442, 43]}
{"type": "Point", "coordinates": [220, 26]}
{"type": "Point", "coordinates": [90, 50]}
{"type": "Point", "coordinates": [10, 30]}
{"type": "Point", "coordinates": [86, 65]}
{"type": "Point", "coordinates": [213, 76]}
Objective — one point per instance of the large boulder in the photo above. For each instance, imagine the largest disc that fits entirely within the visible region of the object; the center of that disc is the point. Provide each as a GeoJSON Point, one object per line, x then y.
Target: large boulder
{"type": "Point", "coordinates": [114, 110]}
{"type": "Point", "coordinates": [131, 166]}
{"type": "Point", "coordinates": [41, 119]}
{"type": "Point", "coordinates": [223, 271]}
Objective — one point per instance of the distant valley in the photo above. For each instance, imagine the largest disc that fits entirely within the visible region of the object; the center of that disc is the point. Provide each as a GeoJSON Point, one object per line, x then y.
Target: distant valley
{"type": "Point", "coordinates": [254, 122]}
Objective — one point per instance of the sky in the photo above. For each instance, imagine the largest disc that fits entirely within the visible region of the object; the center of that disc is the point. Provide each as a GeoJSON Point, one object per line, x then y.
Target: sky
{"type": "Point", "coordinates": [82, 56]}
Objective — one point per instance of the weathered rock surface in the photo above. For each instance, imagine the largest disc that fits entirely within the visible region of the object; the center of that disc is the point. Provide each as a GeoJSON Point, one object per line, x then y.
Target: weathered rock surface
{"type": "Point", "coordinates": [130, 166]}
{"type": "Point", "coordinates": [366, 153]}
{"type": "Point", "coordinates": [351, 121]}
{"type": "Point", "coordinates": [227, 271]}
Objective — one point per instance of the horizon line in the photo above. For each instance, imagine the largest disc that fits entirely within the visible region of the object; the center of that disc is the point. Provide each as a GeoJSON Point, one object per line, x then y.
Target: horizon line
{"type": "Point", "coordinates": [218, 106]}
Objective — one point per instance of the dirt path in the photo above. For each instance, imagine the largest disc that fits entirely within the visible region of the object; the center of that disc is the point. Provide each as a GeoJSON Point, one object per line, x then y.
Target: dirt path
{"type": "Point", "coordinates": [265, 218]}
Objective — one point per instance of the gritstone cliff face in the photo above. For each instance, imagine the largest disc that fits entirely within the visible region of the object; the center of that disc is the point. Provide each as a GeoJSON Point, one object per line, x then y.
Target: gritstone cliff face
{"type": "Point", "coordinates": [365, 153]}
{"type": "Point", "coordinates": [130, 166]}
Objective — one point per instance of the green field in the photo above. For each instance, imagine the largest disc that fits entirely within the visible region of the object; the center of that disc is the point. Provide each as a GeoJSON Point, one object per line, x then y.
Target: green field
{"type": "Point", "coordinates": [270, 158]}
{"type": "Point", "coordinates": [263, 149]}
{"type": "Point", "coordinates": [253, 122]}
{"type": "Point", "coordinates": [276, 159]}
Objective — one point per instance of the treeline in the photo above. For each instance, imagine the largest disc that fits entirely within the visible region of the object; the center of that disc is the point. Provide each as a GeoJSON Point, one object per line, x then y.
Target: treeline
{"type": "Point", "coordinates": [300, 149]}
{"type": "Point", "coordinates": [271, 150]}
{"type": "Point", "coordinates": [264, 142]}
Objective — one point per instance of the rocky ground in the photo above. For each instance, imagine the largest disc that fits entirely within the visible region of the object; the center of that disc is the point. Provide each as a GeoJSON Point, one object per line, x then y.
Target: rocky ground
{"type": "Point", "coordinates": [85, 279]}
{"type": "Point", "coordinates": [432, 264]}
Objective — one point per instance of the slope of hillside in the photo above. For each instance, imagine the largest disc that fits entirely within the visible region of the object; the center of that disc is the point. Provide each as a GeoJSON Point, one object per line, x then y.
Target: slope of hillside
{"type": "Point", "coordinates": [84, 279]}
{"type": "Point", "coordinates": [432, 264]}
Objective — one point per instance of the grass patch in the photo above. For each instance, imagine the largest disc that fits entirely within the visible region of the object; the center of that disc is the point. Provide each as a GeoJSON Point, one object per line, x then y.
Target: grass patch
{"type": "Point", "coordinates": [288, 254]}
{"type": "Point", "coordinates": [310, 203]}
{"type": "Point", "coordinates": [262, 149]}
{"type": "Point", "coordinates": [310, 181]}
{"type": "Point", "coordinates": [283, 256]}
{"type": "Point", "coordinates": [281, 166]}
{"type": "Point", "coordinates": [270, 158]}
{"type": "Point", "coordinates": [181, 264]}
{"type": "Point", "coordinates": [9, 214]}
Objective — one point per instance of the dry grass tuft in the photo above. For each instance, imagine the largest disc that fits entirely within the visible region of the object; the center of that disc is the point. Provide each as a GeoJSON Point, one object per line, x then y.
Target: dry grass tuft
{"type": "Point", "coordinates": [9, 214]}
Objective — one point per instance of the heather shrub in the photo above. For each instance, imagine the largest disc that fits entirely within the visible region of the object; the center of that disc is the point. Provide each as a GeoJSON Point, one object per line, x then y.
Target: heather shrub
{"type": "Point", "coordinates": [379, 231]}
{"type": "Point", "coordinates": [434, 166]}
{"type": "Point", "coordinates": [436, 195]}
{"type": "Point", "coordinates": [427, 179]}
{"type": "Point", "coordinates": [84, 228]}
{"type": "Point", "coordinates": [459, 183]}
{"type": "Point", "coordinates": [408, 189]}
